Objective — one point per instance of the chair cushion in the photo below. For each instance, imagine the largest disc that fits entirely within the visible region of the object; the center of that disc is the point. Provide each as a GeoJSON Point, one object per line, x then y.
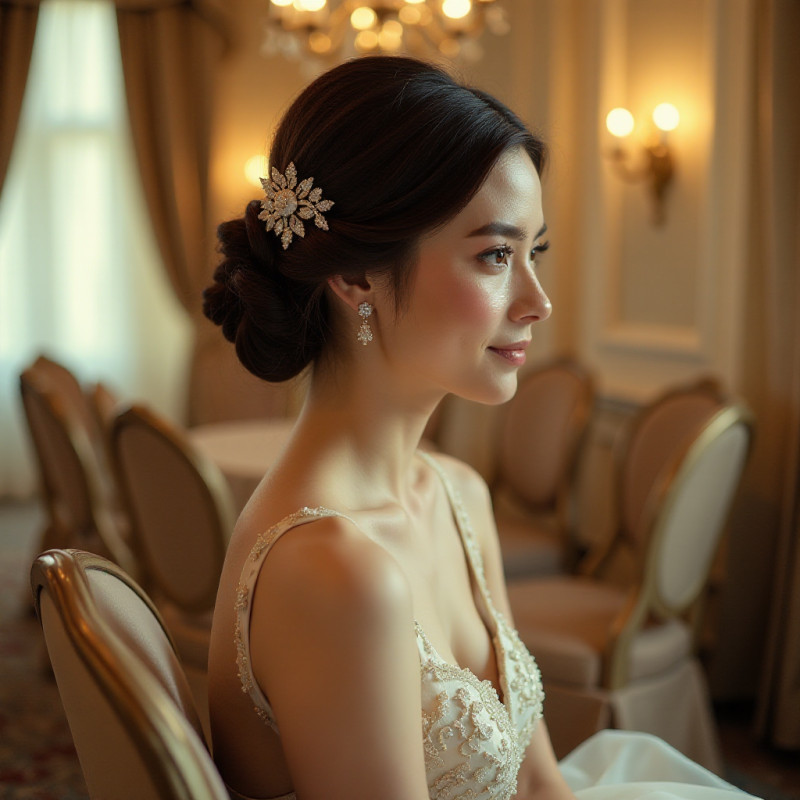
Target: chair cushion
{"type": "Point", "coordinates": [532, 544]}
{"type": "Point", "coordinates": [566, 624]}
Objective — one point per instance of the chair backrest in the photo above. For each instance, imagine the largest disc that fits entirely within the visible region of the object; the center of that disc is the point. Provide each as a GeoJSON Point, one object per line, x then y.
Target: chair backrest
{"type": "Point", "coordinates": [687, 514]}
{"type": "Point", "coordinates": [661, 430]}
{"type": "Point", "coordinates": [58, 450]}
{"type": "Point", "coordinates": [542, 431]}
{"type": "Point", "coordinates": [63, 383]}
{"type": "Point", "coordinates": [126, 699]}
{"type": "Point", "coordinates": [180, 507]}
{"type": "Point", "coordinates": [683, 520]}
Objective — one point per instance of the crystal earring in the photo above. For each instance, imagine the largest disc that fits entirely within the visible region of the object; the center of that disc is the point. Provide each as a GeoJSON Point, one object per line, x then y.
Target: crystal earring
{"type": "Point", "coordinates": [365, 332]}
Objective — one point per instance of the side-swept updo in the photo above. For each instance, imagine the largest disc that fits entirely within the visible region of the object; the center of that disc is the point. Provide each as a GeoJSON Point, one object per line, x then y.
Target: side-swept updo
{"type": "Point", "coordinates": [400, 147]}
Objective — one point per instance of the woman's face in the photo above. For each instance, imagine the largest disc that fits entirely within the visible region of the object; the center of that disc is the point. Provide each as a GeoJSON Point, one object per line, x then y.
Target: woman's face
{"type": "Point", "coordinates": [475, 295]}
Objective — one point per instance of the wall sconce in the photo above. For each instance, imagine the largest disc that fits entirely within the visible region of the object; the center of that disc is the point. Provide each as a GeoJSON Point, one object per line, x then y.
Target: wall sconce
{"type": "Point", "coordinates": [658, 165]}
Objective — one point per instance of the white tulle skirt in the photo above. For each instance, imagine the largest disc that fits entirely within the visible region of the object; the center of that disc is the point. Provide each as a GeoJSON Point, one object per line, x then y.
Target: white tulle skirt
{"type": "Point", "coordinates": [619, 765]}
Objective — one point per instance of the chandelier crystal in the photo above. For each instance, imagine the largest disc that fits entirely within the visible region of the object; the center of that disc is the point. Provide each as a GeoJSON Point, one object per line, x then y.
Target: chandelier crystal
{"type": "Point", "coordinates": [331, 29]}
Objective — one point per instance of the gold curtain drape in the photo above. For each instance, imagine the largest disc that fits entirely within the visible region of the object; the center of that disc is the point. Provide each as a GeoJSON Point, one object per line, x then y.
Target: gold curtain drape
{"type": "Point", "coordinates": [774, 376]}
{"type": "Point", "coordinates": [17, 30]}
{"type": "Point", "coordinates": [170, 49]}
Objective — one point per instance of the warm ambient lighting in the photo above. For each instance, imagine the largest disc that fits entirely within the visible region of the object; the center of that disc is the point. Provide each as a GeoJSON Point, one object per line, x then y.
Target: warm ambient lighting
{"type": "Point", "coordinates": [255, 168]}
{"type": "Point", "coordinates": [657, 168]}
{"type": "Point", "coordinates": [620, 122]}
{"type": "Point", "coordinates": [666, 117]}
{"type": "Point", "coordinates": [343, 28]}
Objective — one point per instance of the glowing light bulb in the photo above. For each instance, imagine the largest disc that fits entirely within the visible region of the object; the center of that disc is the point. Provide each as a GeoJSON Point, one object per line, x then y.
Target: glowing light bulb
{"type": "Point", "coordinates": [309, 5]}
{"type": "Point", "coordinates": [620, 122]}
{"type": "Point", "coordinates": [410, 15]}
{"type": "Point", "coordinates": [363, 18]}
{"type": "Point", "coordinates": [666, 117]}
{"type": "Point", "coordinates": [366, 41]}
{"type": "Point", "coordinates": [255, 168]}
{"type": "Point", "coordinates": [282, 3]}
{"type": "Point", "coordinates": [456, 9]}
{"type": "Point", "coordinates": [319, 43]}
{"type": "Point", "coordinates": [390, 38]}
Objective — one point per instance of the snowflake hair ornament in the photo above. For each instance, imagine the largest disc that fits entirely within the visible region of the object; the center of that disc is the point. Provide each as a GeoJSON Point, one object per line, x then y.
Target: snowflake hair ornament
{"type": "Point", "coordinates": [288, 203]}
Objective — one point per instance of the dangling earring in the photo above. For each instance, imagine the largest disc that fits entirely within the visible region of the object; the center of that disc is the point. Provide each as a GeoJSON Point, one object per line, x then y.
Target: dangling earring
{"type": "Point", "coordinates": [365, 332]}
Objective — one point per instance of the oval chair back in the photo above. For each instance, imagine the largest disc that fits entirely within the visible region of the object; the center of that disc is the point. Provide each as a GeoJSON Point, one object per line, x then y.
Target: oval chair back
{"type": "Point", "coordinates": [72, 483]}
{"type": "Point", "coordinates": [542, 430]}
{"type": "Point", "coordinates": [127, 703]}
{"type": "Point", "coordinates": [685, 517]}
{"type": "Point", "coordinates": [692, 513]}
{"type": "Point", "coordinates": [180, 508]}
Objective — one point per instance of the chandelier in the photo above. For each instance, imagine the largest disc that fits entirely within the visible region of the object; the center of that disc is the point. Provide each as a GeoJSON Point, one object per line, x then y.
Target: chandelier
{"type": "Point", "coordinates": [300, 29]}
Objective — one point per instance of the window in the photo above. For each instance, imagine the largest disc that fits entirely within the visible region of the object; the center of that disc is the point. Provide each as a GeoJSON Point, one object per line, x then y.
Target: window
{"type": "Point", "coordinates": [80, 274]}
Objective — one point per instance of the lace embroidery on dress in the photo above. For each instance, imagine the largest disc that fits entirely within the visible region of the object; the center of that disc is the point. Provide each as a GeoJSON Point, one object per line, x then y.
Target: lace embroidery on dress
{"type": "Point", "coordinates": [490, 737]}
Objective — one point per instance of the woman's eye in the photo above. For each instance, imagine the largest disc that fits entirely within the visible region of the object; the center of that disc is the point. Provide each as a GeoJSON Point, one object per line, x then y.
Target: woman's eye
{"type": "Point", "coordinates": [542, 247]}
{"type": "Point", "coordinates": [497, 256]}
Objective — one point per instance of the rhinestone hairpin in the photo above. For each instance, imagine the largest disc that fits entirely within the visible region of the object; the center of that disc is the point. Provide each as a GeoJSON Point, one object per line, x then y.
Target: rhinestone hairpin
{"type": "Point", "coordinates": [288, 203]}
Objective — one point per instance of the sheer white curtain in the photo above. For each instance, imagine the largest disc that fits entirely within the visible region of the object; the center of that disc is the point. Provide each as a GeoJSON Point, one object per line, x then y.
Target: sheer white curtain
{"type": "Point", "coordinates": [80, 274]}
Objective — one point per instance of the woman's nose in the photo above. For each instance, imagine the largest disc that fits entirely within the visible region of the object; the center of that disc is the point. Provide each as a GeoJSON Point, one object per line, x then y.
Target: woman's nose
{"type": "Point", "coordinates": [531, 304]}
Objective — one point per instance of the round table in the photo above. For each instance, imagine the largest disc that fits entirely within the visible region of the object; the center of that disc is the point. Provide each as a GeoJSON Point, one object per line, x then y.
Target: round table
{"type": "Point", "coordinates": [243, 450]}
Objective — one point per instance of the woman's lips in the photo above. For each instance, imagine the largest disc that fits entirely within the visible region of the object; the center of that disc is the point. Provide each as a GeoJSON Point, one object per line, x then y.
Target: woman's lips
{"type": "Point", "coordinates": [513, 353]}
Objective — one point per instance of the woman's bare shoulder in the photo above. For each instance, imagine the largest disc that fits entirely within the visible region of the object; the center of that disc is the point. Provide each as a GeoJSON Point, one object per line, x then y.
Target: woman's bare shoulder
{"type": "Point", "coordinates": [337, 565]}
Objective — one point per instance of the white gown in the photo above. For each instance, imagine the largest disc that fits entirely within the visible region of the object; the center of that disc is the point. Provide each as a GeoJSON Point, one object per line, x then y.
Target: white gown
{"type": "Point", "coordinates": [474, 738]}
{"type": "Point", "coordinates": [621, 765]}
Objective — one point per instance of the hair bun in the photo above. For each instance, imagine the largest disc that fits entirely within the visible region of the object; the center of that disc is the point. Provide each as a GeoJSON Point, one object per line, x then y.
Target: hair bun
{"type": "Point", "coordinates": [254, 303]}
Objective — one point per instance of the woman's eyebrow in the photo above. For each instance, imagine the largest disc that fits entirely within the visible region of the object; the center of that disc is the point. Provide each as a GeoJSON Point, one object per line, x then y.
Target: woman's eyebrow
{"type": "Point", "coordinates": [500, 229]}
{"type": "Point", "coordinates": [504, 229]}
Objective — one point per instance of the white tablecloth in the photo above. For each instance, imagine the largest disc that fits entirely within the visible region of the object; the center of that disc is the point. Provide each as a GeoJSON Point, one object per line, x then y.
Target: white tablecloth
{"type": "Point", "coordinates": [243, 450]}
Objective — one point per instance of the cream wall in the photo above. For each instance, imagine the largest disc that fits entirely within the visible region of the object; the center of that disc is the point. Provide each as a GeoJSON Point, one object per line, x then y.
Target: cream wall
{"type": "Point", "coordinates": [644, 306]}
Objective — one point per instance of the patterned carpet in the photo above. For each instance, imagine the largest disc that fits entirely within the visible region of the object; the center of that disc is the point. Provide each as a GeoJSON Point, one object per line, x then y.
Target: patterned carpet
{"type": "Point", "coordinates": [37, 758]}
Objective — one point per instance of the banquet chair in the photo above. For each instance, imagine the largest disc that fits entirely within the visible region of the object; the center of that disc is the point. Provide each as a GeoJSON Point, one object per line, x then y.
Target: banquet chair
{"type": "Point", "coordinates": [72, 487]}
{"type": "Point", "coordinates": [625, 658]}
{"type": "Point", "coordinates": [657, 433]}
{"type": "Point", "coordinates": [126, 699]}
{"type": "Point", "coordinates": [533, 492]}
{"type": "Point", "coordinates": [63, 383]}
{"type": "Point", "coordinates": [182, 515]}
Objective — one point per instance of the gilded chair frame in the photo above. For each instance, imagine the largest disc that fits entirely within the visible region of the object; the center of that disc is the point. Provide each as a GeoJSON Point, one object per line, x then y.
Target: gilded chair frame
{"type": "Point", "coordinates": [133, 693]}
{"type": "Point", "coordinates": [646, 601]}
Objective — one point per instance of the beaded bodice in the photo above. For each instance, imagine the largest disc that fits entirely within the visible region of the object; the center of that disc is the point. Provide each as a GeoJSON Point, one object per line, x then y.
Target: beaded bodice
{"type": "Point", "coordinates": [474, 741]}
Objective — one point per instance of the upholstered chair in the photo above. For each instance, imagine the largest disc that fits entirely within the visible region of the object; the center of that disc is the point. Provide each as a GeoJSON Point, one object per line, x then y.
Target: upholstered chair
{"type": "Point", "coordinates": [74, 487]}
{"type": "Point", "coordinates": [625, 656]}
{"type": "Point", "coordinates": [540, 442]}
{"type": "Point", "coordinates": [127, 702]}
{"type": "Point", "coordinates": [182, 516]}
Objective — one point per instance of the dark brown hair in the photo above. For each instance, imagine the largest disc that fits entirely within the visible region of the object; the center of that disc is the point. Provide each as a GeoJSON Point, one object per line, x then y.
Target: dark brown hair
{"type": "Point", "coordinates": [401, 148]}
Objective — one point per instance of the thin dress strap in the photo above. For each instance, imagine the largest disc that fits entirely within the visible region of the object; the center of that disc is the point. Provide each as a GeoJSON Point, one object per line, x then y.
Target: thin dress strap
{"type": "Point", "coordinates": [464, 526]}
{"type": "Point", "coordinates": [244, 594]}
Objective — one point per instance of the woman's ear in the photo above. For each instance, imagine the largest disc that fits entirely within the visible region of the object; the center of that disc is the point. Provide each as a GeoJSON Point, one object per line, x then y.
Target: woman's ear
{"type": "Point", "coordinates": [351, 294]}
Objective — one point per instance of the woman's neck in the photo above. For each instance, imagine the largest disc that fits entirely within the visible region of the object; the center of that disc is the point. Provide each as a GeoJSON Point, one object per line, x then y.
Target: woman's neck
{"type": "Point", "coordinates": [372, 429]}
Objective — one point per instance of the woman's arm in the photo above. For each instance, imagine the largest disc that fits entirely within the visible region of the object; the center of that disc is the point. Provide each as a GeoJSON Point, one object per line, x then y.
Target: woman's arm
{"type": "Point", "coordinates": [539, 777]}
{"type": "Point", "coordinates": [333, 647]}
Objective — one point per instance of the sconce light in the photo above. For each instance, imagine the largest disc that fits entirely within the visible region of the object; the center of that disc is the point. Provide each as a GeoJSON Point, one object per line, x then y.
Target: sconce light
{"type": "Point", "coordinates": [658, 165]}
{"type": "Point", "coordinates": [255, 168]}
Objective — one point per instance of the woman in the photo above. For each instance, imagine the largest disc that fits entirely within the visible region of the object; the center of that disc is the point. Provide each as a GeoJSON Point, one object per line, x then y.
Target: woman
{"type": "Point", "coordinates": [362, 644]}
